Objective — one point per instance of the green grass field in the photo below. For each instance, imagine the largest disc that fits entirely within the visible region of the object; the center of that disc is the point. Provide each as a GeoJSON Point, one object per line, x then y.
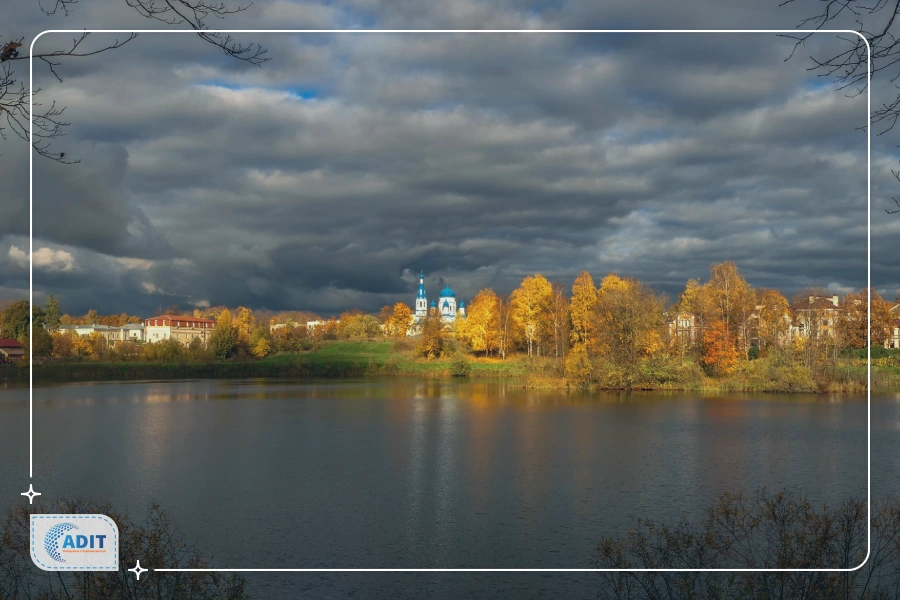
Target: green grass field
{"type": "Point", "coordinates": [346, 359]}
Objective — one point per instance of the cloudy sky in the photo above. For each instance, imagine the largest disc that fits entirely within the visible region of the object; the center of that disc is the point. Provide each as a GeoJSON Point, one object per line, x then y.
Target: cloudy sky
{"type": "Point", "coordinates": [327, 178]}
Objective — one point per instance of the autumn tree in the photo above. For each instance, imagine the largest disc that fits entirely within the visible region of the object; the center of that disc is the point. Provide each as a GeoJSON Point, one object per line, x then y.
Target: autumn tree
{"type": "Point", "coordinates": [431, 341]}
{"type": "Point", "coordinates": [224, 338]}
{"type": "Point", "coordinates": [355, 325]}
{"type": "Point", "coordinates": [329, 331]}
{"type": "Point", "coordinates": [63, 345]}
{"type": "Point", "coordinates": [399, 320]}
{"type": "Point", "coordinates": [690, 299]}
{"type": "Point", "coordinates": [773, 318]}
{"type": "Point", "coordinates": [40, 345]}
{"type": "Point", "coordinates": [629, 320]}
{"type": "Point", "coordinates": [244, 321]}
{"type": "Point", "coordinates": [852, 327]}
{"type": "Point", "coordinates": [506, 328]}
{"type": "Point", "coordinates": [729, 296]}
{"type": "Point", "coordinates": [581, 308]}
{"type": "Point", "coordinates": [559, 320]}
{"type": "Point", "coordinates": [579, 369]}
{"type": "Point", "coordinates": [481, 326]}
{"type": "Point", "coordinates": [530, 305]}
{"type": "Point", "coordinates": [720, 356]}
{"type": "Point", "coordinates": [292, 338]}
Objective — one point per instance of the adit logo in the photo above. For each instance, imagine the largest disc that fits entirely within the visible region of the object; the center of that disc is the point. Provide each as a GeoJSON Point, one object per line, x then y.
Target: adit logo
{"type": "Point", "coordinates": [74, 542]}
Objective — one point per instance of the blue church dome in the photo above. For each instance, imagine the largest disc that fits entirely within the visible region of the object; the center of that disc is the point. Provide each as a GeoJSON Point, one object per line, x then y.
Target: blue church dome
{"type": "Point", "coordinates": [448, 293]}
{"type": "Point", "coordinates": [433, 305]}
{"type": "Point", "coordinates": [462, 304]}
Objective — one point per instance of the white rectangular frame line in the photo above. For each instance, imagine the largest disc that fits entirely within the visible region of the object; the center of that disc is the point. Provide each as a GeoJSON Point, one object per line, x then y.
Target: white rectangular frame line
{"type": "Point", "coordinates": [479, 31]}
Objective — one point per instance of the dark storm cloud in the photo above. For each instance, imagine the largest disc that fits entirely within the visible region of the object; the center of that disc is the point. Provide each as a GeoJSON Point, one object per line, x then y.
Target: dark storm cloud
{"type": "Point", "coordinates": [328, 178]}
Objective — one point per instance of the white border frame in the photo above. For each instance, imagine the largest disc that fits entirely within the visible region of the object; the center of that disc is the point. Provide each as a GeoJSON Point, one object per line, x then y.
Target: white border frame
{"type": "Point", "coordinates": [477, 31]}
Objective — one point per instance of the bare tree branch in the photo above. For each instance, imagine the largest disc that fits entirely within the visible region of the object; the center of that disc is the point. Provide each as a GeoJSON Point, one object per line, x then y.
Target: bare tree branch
{"type": "Point", "coordinates": [195, 14]}
{"type": "Point", "coordinates": [849, 67]}
{"type": "Point", "coordinates": [48, 124]}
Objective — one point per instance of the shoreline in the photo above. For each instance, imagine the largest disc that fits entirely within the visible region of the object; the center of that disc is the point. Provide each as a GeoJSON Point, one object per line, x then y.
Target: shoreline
{"type": "Point", "coordinates": [884, 379]}
{"type": "Point", "coordinates": [344, 360]}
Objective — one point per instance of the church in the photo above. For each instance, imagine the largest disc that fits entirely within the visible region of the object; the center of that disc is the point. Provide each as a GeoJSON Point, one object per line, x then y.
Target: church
{"type": "Point", "coordinates": [445, 306]}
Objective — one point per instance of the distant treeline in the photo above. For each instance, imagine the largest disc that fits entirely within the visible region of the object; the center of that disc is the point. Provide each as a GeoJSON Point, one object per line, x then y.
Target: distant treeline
{"type": "Point", "coordinates": [621, 334]}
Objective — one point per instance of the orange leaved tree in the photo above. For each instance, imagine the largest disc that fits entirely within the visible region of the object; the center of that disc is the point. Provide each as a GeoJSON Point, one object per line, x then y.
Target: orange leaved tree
{"type": "Point", "coordinates": [719, 354]}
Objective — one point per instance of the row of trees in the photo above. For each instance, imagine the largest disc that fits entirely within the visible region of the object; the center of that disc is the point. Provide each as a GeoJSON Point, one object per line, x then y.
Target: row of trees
{"type": "Point", "coordinates": [587, 330]}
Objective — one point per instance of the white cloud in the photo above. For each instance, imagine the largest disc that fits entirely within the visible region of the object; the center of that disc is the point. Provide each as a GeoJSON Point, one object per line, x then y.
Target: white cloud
{"type": "Point", "coordinates": [45, 258]}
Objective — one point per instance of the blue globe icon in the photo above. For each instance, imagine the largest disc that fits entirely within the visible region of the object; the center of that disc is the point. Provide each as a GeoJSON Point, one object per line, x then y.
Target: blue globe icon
{"type": "Point", "coordinates": [51, 540]}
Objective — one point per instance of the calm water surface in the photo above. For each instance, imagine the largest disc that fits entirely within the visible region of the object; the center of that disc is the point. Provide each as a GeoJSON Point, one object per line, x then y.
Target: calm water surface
{"type": "Point", "coordinates": [428, 474]}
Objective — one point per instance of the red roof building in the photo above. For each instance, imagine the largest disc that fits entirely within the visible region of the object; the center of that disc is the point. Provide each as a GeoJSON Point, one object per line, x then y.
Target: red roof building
{"type": "Point", "coordinates": [10, 350]}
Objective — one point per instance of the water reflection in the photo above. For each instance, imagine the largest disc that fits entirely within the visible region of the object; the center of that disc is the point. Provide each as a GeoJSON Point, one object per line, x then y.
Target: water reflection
{"type": "Point", "coordinates": [388, 473]}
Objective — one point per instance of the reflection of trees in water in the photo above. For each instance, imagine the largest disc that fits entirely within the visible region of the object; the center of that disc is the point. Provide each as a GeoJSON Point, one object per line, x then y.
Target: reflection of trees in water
{"type": "Point", "coordinates": [766, 531]}
{"type": "Point", "coordinates": [154, 541]}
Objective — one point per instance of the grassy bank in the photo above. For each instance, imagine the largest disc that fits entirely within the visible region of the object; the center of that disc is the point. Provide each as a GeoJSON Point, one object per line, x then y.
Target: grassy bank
{"type": "Point", "coordinates": [344, 359]}
{"type": "Point", "coordinates": [334, 360]}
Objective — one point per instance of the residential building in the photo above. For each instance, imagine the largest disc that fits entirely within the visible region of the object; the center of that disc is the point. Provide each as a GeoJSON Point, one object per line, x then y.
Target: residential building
{"type": "Point", "coordinates": [11, 350]}
{"type": "Point", "coordinates": [133, 332]}
{"type": "Point", "coordinates": [684, 328]}
{"type": "Point", "coordinates": [815, 317]}
{"type": "Point", "coordinates": [110, 333]}
{"type": "Point", "coordinates": [181, 328]}
{"type": "Point", "coordinates": [894, 340]}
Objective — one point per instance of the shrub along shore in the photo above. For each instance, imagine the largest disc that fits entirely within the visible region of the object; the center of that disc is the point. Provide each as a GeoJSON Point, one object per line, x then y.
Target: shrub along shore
{"type": "Point", "coordinates": [340, 360]}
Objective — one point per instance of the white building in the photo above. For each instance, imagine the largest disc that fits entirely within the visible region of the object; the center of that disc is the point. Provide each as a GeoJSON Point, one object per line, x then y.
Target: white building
{"type": "Point", "coordinates": [133, 332]}
{"type": "Point", "coordinates": [112, 334]}
{"type": "Point", "coordinates": [177, 327]}
{"type": "Point", "coordinates": [445, 306]}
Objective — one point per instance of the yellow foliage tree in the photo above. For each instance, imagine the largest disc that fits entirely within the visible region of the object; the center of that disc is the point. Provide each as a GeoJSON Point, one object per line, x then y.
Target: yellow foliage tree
{"type": "Point", "coordinates": [530, 306]}
{"type": "Point", "coordinates": [81, 345]}
{"type": "Point", "coordinates": [481, 327]}
{"type": "Point", "coordinates": [773, 318]}
{"type": "Point", "coordinates": [581, 308]}
{"type": "Point", "coordinates": [261, 348]}
{"type": "Point", "coordinates": [690, 301]}
{"type": "Point", "coordinates": [579, 370]}
{"type": "Point", "coordinates": [63, 344]}
{"type": "Point", "coordinates": [244, 321]}
{"type": "Point", "coordinates": [629, 320]}
{"type": "Point", "coordinates": [853, 323]}
{"type": "Point", "coordinates": [399, 321]}
{"type": "Point", "coordinates": [727, 297]}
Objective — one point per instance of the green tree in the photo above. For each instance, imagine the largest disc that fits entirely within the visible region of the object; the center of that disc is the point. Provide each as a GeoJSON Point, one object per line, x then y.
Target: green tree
{"type": "Point", "coordinates": [42, 343]}
{"type": "Point", "coordinates": [51, 313]}
{"type": "Point", "coordinates": [460, 366]}
{"type": "Point", "coordinates": [14, 322]}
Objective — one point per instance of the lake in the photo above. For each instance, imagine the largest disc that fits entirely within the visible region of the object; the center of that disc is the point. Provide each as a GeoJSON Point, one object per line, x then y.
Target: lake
{"type": "Point", "coordinates": [433, 474]}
